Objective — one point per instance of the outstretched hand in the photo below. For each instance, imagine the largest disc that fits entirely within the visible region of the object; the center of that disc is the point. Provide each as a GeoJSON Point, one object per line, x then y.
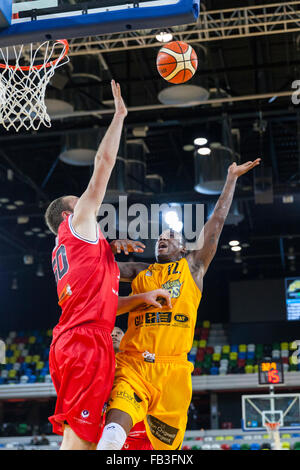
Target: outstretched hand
{"type": "Point", "coordinates": [128, 246]}
{"type": "Point", "coordinates": [239, 170]}
{"type": "Point", "coordinates": [120, 108]}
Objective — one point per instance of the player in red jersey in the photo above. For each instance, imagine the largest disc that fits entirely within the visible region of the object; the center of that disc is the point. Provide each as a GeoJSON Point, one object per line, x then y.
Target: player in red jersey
{"type": "Point", "coordinates": [81, 355]}
{"type": "Point", "coordinates": [137, 438]}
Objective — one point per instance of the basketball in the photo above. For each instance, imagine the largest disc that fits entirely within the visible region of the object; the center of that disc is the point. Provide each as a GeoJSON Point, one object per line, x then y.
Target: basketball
{"type": "Point", "coordinates": [177, 62]}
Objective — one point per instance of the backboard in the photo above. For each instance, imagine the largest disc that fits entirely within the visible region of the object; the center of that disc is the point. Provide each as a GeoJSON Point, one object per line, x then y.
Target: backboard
{"type": "Point", "coordinates": [259, 409]}
{"type": "Point", "coordinates": [40, 20]}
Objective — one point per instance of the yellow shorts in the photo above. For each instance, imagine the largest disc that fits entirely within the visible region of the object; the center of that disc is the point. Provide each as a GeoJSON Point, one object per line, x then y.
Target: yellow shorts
{"type": "Point", "coordinates": [157, 393]}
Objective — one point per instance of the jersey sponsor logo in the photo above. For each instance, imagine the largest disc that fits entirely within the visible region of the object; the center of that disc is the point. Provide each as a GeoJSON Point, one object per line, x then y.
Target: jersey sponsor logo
{"type": "Point", "coordinates": [181, 318]}
{"type": "Point", "coordinates": [153, 318]}
{"type": "Point", "coordinates": [65, 294]}
{"type": "Point", "coordinates": [130, 399]}
{"type": "Point", "coordinates": [137, 398]}
{"type": "Point", "coordinates": [85, 413]}
{"type": "Point", "coordinates": [173, 287]}
{"type": "Point", "coordinates": [162, 431]}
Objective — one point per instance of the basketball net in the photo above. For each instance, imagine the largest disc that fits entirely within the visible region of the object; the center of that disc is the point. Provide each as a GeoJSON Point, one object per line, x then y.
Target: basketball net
{"type": "Point", "coordinates": [24, 75]}
{"type": "Point", "coordinates": [273, 430]}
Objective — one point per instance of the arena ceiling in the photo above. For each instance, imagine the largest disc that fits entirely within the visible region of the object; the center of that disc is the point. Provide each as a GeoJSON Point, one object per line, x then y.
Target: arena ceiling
{"type": "Point", "coordinates": [242, 73]}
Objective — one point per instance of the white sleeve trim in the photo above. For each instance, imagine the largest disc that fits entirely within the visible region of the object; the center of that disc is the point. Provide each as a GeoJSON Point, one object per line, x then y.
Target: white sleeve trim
{"type": "Point", "coordinates": [93, 242]}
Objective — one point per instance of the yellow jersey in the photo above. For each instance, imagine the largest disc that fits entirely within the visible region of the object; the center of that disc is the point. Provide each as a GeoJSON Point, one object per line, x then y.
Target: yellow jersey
{"type": "Point", "coordinates": [164, 332]}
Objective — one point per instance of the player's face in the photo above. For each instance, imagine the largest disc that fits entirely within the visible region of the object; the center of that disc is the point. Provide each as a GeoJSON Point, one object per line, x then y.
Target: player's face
{"type": "Point", "coordinates": [116, 336]}
{"type": "Point", "coordinates": [169, 247]}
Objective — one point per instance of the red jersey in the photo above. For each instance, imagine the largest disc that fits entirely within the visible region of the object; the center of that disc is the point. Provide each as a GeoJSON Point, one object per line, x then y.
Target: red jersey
{"type": "Point", "coordinates": [87, 278]}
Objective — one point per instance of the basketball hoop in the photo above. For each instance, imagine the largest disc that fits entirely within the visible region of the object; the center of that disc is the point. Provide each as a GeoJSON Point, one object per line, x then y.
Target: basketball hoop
{"type": "Point", "coordinates": [24, 75]}
{"type": "Point", "coordinates": [273, 430]}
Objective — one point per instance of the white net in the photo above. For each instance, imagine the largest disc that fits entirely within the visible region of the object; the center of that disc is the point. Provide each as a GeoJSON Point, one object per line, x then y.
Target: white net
{"type": "Point", "coordinates": [24, 76]}
{"type": "Point", "coordinates": [273, 430]}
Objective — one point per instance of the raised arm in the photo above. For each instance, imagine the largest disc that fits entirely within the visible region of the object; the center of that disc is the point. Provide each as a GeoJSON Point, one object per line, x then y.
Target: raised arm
{"type": "Point", "coordinates": [84, 218]}
{"type": "Point", "coordinates": [200, 259]}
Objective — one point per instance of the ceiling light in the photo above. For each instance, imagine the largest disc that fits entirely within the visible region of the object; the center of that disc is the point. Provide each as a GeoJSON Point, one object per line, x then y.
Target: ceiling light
{"type": "Point", "coordinates": [28, 233]}
{"type": "Point", "coordinates": [237, 258]}
{"type": "Point", "coordinates": [19, 203]}
{"type": "Point", "coordinates": [164, 36]}
{"type": "Point", "coordinates": [236, 248]}
{"type": "Point", "coordinates": [172, 219]}
{"type": "Point", "coordinates": [200, 141]}
{"type": "Point", "coordinates": [188, 147]}
{"type": "Point", "coordinates": [14, 284]}
{"type": "Point", "coordinates": [36, 229]}
{"type": "Point", "coordinates": [41, 235]}
{"type": "Point", "coordinates": [22, 219]}
{"type": "Point", "coordinates": [234, 243]}
{"type": "Point", "coordinates": [4, 200]}
{"type": "Point", "coordinates": [204, 151]}
{"type": "Point", "coordinates": [11, 207]}
{"type": "Point", "coordinates": [28, 259]}
{"type": "Point", "coordinates": [40, 271]}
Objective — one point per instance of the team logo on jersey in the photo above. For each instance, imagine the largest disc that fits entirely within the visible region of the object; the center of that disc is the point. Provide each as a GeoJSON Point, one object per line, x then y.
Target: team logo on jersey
{"type": "Point", "coordinates": [148, 273]}
{"type": "Point", "coordinates": [85, 413]}
{"type": "Point", "coordinates": [173, 287]}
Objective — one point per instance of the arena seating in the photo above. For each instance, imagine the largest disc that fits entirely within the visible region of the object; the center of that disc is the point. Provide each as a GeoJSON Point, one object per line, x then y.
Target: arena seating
{"type": "Point", "coordinates": [27, 358]}
{"type": "Point", "coordinates": [236, 439]}
{"type": "Point", "coordinates": [221, 359]}
{"type": "Point", "coordinates": [27, 355]}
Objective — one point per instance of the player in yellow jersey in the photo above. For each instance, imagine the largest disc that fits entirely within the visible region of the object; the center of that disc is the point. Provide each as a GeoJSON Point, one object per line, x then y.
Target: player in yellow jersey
{"type": "Point", "coordinates": [153, 376]}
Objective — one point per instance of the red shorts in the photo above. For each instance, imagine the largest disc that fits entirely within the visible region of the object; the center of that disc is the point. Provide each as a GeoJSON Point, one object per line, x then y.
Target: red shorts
{"type": "Point", "coordinates": [137, 439]}
{"type": "Point", "coordinates": [137, 443]}
{"type": "Point", "coordinates": [82, 367]}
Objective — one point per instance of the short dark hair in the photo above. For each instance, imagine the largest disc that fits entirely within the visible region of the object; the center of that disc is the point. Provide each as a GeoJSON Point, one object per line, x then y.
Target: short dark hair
{"type": "Point", "coordinates": [53, 217]}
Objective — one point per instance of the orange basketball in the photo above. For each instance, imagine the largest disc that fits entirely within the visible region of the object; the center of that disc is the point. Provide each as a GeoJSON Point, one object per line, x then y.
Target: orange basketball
{"type": "Point", "coordinates": [177, 62]}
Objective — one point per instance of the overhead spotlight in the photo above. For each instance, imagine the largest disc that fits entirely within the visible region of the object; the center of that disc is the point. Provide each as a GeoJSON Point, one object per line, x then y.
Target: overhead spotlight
{"type": "Point", "coordinates": [4, 200]}
{"type": "Point", "coordinates": [164, 36]}
{"type": "Point", "coordinates": [291, 254]}
{"type": "Point", "coordinates": [204, 151]}
{"type": "Point", "coordinates": [19, 203]}
{"type": "Point", "coordinates": [14, 283]}
{"type": "Point", "coordinates": [11, 207]}
{"type": "Point", "coordinates": [188, 148]}
{"type": "Point", "coordinates": [236, 248]}
{"type": "Point", "coordinates": [28, 259]}
{"type": "Point", "coordinates": [36, 229]}
{"type": "Point", "coordinates": [40, 271]}
{"type": "Point", "coordinates": [234, 243]}
{"type": "Point", "coordinates": [140, 131]}
{"type": "Point", "coordinates": [22, 219]}
{"type": "Point", "coordinates": [237, 258]}
{"type": "Point", "coordinates": [172, 219]}
{"type": "Point", "coordinates": [200, 141]}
